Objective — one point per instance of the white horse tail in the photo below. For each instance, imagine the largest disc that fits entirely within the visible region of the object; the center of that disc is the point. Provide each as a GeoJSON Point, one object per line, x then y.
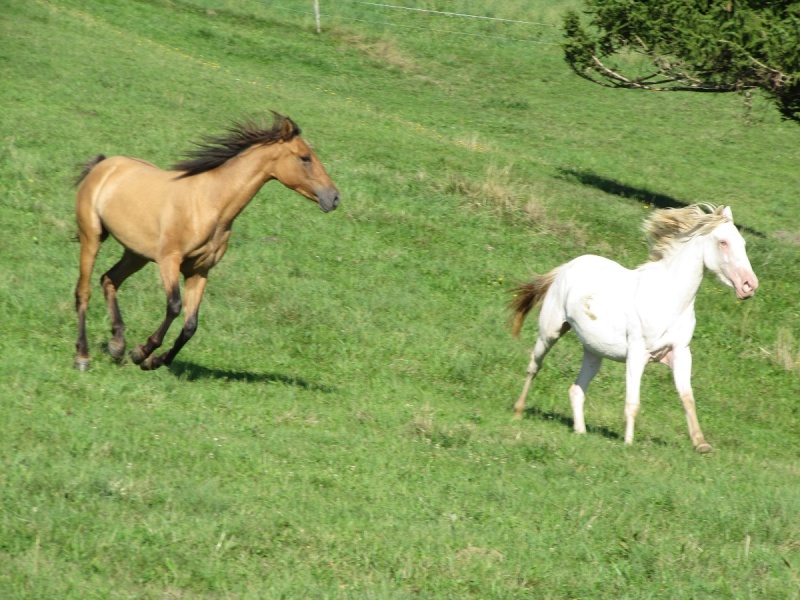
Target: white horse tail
{"type": "Point", "coordinates": [527, 296]}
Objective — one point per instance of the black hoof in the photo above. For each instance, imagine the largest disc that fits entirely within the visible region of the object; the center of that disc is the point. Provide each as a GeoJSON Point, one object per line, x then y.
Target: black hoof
{"type": "Point", "coordinates": [116, 350]}
{"type": "Point", "coordinates": [151, 363]}
{"type": "Point", "coordinates": [137, 355]}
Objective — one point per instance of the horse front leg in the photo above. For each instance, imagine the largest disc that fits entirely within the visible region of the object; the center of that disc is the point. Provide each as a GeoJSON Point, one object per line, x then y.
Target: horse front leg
{"type": "Point", "coordinates": [681, 364]}
{"type": "Point", "coordinates": [169, 270]}
{"type": "Point", "coordinates": [193, 294]}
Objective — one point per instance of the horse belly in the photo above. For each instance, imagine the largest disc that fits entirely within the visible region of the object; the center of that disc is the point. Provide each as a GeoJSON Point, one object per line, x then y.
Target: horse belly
{"type": "Point", "coordinates": [602, 337]}
{"type": "Point", "coordinates": [138, 233]}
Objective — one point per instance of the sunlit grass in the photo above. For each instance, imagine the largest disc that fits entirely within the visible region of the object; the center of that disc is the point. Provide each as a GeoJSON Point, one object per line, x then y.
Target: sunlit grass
{"type": "Point", "coordinates": [341, 424]}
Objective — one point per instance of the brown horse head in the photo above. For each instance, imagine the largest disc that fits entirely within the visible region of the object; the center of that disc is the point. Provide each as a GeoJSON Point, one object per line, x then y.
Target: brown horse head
{"type": "Point", "coordinates": [299, 169]}
{"type": "Point", "coordinates": [288, 157]}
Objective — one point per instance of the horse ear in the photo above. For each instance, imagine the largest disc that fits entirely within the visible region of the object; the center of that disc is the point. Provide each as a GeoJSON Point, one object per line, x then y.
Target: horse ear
{"type": "Point", "coordinates": [726, 212]}
{"type": "Point", "coordinates": [289, 129]}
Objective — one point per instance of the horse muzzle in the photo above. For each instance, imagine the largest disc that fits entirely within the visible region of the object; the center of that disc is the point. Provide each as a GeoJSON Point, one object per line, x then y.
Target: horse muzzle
{"type": "Point", "coordinates": [328, 199]}
{"type": "Point", "coordinates": [747, 286]}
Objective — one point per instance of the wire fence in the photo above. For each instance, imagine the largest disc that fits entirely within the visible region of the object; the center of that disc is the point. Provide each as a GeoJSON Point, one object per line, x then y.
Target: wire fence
{"type": "Point", "coordinates": [445, 13]}
{"type": "Point", "coordinates": [467, 18]}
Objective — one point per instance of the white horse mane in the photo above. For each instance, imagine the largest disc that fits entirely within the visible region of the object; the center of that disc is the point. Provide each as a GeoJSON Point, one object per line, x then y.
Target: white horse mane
{"type": "Point", "coordinates": [668, 229]}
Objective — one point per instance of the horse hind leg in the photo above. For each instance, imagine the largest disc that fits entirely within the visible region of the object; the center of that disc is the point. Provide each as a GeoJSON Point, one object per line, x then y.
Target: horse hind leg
{"type": "Point", "coordinates": [110, 282]}
{"type": "Point", "coordinates": [548, 336]}
{"type": "Point", "coordinates": [90, 235]}
{"type": "Point", "coordinates": [634, 368]}
{"type": "Point", "coordinates": [577, 392]}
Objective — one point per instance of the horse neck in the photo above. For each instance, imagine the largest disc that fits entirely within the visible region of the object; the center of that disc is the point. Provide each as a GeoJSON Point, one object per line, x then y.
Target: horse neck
{"type": "Point", "coordinates": [235, 183]}
{"type": "Point", "coordinates": [684, 272]}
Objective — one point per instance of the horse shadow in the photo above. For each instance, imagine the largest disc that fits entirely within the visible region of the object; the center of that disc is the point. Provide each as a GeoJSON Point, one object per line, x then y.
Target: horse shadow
{"type": "Point", "coordinates": [533, 412]}
{"type": "Point", "coordinates": [641, 195]}
{"type": "Point", "coordinates": [193, 372]}
{"type": "Point", "coordinates": [537, 413]}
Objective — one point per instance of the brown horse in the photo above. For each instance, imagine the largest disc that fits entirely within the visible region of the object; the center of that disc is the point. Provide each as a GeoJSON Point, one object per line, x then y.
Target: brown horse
{"type": "Point", "coordinates": [181, 220]}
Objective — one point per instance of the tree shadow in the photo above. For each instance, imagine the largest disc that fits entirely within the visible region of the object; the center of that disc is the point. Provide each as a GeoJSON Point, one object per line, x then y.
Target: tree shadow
{"type": "Point", "coordinates": [641, 195]}
{"type": "Point", "coordinates": [193, 372]}
{"type": "Point", "coordinates": [616, 188]}
{"type": "Point", "coordinates": [534, 412]}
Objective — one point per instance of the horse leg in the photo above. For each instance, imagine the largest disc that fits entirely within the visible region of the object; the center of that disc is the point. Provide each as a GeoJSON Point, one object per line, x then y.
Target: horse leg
{"type": "Point", "coordinates": [129, 264]}
{"type": "Point", "coordinates": [634, 368]}
{"type": "Point", "coordinates": [681, 364]}
{"type": "Point", "coordinates": [548, 336]}
{"type": "Point", "coordinates": [192, 294]}
{"type": "Point", "coordinates": [90, 235]}
{"type": "Point", "coordinates": [577, 392]}
{"type": "Point", "coordinates": [169, 269]}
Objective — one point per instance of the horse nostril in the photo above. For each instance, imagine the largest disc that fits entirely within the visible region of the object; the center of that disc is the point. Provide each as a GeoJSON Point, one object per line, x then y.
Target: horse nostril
{"type": "Point", "coordinates": [749, 286]}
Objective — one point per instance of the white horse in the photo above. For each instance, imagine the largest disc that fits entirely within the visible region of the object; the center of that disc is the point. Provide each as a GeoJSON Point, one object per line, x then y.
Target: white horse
{"type": "Point", "coordinates": [640, 315]}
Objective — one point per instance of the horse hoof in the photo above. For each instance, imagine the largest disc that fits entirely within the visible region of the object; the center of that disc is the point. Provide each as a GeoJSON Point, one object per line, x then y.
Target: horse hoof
{"type": "Point", "coordinates": [137, 355]}
{"type": "Point", "coordinates": [116, 350]}
{"type": "Point", "coordinates": [151, 363]}
{"type": "Point", "coordinates": [703, 448]}
{"type": "Point", "coordinates": [81, 364]}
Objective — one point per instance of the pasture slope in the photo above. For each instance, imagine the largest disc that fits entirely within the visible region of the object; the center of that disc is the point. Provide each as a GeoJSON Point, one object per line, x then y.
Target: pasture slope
{"type": "Point", "coordinates": [341, 424]}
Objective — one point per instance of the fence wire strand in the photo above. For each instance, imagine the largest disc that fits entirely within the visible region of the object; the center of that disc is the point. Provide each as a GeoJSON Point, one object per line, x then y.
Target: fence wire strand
{"type": "Point", "coordinates": [449, 14]}
{"type": "Point", "coordinates": [334, 15]}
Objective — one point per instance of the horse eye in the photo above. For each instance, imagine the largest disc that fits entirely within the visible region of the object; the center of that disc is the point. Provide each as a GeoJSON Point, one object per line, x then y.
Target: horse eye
{"type": "Point", "coordinates": [723, 244]}
{"type": "Point", "coordinates": [306, 159]}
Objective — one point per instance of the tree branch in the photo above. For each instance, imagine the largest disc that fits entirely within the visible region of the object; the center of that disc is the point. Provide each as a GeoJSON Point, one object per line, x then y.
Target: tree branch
{"type": "Point", "coordinates": [681, 82]}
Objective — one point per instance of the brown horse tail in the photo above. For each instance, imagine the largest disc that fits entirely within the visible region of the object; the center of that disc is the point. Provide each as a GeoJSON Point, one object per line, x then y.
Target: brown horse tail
{"type": "Point", "coordinates": [88, 166]}
{"type": "Point", "coordinates": [527, 296]}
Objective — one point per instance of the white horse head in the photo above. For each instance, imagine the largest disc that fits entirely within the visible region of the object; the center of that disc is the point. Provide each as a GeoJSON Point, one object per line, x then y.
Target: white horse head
{"type": "Point", "coordinates": [724, 254]}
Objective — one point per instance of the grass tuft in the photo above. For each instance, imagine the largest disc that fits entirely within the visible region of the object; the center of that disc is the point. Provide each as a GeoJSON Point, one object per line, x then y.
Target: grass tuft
{"type": "Point", "coordinates": [787, 350]}
{"type": "Point", "coordinates": [498, 192]}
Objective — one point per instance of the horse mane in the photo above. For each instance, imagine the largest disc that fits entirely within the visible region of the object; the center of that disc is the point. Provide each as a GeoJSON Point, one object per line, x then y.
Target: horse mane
{"type": "Point", "coordinates": [668, 229]}
{"type": "Point", "coordinates": [213, 151]}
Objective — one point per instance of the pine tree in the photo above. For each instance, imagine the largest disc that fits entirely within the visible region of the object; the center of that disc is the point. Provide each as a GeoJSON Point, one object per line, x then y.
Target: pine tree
{"type": "Point", "coordinates": [712, 46]}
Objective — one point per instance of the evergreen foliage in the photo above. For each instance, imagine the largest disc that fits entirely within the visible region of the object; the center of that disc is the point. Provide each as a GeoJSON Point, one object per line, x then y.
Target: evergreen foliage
{"type": "Point", "coordinates": [691, 45]}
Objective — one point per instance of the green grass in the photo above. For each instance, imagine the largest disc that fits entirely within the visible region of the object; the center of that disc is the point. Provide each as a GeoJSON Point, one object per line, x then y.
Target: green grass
{"type": "Point", "coordinates": [340, 426]}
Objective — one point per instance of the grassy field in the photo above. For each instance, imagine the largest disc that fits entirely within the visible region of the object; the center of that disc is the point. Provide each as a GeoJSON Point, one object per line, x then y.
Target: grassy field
{"type": "Point", "coordinates": [341, 424]}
